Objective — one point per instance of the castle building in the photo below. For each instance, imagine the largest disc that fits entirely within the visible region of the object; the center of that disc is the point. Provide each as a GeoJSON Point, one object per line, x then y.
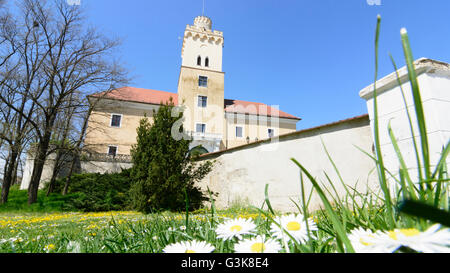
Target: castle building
{"type": "Point", "coordinates": [213, 122]}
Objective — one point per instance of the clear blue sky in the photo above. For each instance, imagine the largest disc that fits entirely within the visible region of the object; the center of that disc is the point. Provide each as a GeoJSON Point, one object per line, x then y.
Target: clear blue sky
{"type": "Point", "coordinates": [310, 57]}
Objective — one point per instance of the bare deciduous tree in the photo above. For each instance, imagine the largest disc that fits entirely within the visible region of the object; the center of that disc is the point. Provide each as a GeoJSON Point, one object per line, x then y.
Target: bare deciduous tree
{"type": "Point", "coordinates": [15, 82]}
{"type": "Point", "coordinates": [90, 106]}
{"type": "Point", "coordinates": [60, 58]}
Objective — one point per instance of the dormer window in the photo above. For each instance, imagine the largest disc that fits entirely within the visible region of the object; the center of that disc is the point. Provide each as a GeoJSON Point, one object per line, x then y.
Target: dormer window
{"type": "Point", "coordinates": [199, 60]}
{"type": "Point", "coordinates": [207, 62]}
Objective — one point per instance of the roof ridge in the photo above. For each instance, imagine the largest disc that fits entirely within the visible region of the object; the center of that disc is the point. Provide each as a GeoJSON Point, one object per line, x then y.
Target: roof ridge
{"type": "Point", "coordinates": [130, 93]}
{"type": "Point", "coordinates": [147, 89]}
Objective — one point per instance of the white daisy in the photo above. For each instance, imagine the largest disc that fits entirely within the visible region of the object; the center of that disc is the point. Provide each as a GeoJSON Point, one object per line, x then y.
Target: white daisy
{"type": "Point", "coordinates": [74, 247]}
{"type": "Point", "coordinates": [235, 228]}
{"type": "Point", "coordinates": [366, 241]}
{"type": "Point", "coordinates": [433, 240]}
{"type": "Point", "coordinates": [189, 247]}
{"type": "Point", "coordinates": [258, 244]}
{"type": "Point", "coordinates": [295, 225]}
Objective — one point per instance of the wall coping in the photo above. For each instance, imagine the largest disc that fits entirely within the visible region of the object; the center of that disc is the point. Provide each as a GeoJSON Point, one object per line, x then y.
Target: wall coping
{"type": "Point", "coordinates": [422, 65]}
{"type": "Point", "coordinates": [364, 117]}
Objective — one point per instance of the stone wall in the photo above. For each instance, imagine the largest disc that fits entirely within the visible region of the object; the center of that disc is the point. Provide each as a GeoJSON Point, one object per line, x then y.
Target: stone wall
{"type": "Point", "coordinates": [434, 82]}
{"type": "Point", "coordinates": [93, 163]}
{"type": "Point", "coordinates": [240, 174]}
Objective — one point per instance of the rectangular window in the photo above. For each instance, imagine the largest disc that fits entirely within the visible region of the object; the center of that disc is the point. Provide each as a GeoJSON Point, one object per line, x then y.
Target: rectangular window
{"type": "Point", "coordinates": [200, 128]}
{"type": "Point", "coordinates": [202, 101]}
{"type": "Point", "coordinates": [238, 131]}
{"type": "Point", "coordinates": [271, 132]}
{"type": "Point", "coordinates": [112, 150]}
{"type": "Point", "coordinates": [203, 81]}
{"type": "Point", "coordinates": [116, 120]}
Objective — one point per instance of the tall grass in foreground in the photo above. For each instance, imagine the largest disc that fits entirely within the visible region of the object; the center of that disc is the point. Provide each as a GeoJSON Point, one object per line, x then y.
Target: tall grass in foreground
{"type": "Point", "coordinates": [417, 204]}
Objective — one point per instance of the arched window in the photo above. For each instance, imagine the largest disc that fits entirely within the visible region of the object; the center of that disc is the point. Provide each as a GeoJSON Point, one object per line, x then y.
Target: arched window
{"type": "Point", "coordinates": [207, 62]}
{"type": "Point", "coordinates": [199, 60]}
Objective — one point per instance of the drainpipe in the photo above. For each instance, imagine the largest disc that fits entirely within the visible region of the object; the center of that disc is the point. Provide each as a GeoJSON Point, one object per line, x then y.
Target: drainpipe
{"type": "Point", "coordinates": [226, 132]}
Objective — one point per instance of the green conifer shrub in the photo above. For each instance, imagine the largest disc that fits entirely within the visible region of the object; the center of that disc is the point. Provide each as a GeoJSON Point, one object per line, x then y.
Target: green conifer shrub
{"type": "Point", "coordinates": [93, 192]}
{"type": "Point", "coordinates": [164, 172]}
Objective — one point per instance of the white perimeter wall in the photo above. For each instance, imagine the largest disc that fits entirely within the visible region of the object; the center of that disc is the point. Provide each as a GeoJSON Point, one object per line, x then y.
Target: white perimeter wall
{"type": "Point", "coordinates": [86, 167]}
{"type": "Point", "coordinates": [239, 175]}
{"type": "Point", "coordinates": [434, 82]}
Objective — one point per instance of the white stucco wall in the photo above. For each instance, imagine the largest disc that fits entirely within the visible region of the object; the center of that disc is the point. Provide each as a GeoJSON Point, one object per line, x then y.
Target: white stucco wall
{"type": "Point", "coordinates": [91, 166]}
{"type": "Point", "coordinates": [47, 172]}
{"type": "Point", "coordinates": [27, 172]}
{"type": "Point", "coordinates": [434, 83]}
{"type": "Point", "coordinates": [240, 174]}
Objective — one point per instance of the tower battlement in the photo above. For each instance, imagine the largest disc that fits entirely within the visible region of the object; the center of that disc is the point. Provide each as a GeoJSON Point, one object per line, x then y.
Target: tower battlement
{"type": "Point", "coordinates": [203, 22]}
{"type": "Point", "coordinates": [201, 42]}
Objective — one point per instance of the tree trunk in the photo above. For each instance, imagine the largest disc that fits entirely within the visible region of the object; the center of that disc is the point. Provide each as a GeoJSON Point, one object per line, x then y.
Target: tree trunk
{"type": "Point", "coordinates": [8, 176]}
{"type": "Point", "coordinates": [16, 167]}
{"type": "Point", "coordinates": [66, 185]}
{"type": "Point", "coordinates": [6, 165]}
{"type": "Point", "coordinates": [56, 168]}
{"type": "Point", "coordinates": [39, 162]}
{"type": "Point", "coordinates": [59, 153]}
{"type": "Point", "coordinates": [51, 184]}
{"type": "Point", "coordinates": [77, 148]}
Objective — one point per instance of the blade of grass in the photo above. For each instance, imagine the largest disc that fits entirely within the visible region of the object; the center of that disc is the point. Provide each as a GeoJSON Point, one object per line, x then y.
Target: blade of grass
{"type": "Point", "coordinates": [335, 167]}
{"type": "Point", "coordinates": [425, 211]}
{"type": "Point", "coordinates": [187, 208]}
{"type": "Point", "coordinates": [417, 102]}
{"type": "Point", "coordinates": [380, 165]}
{"type": "Point", "coordinates": [335, 197]}
{"type": "Point", "coordinates": [445, 200]}
{"type": "Point", "coordinates": [442, 159]}
{"type": "Point", "coordinates": [337, 225]}
{"type": "Point", "coordinates": [305, 210]}
{"type": "Point", "coordinates": [376, 162]}
{"type": "Point", "coordinates": [266, 198]}
{"type": "Point", "coordinates": [438, 186]}
{"type": "Point", "coordinates": [411, 128]}
{"type": "Point", "coordinates": [404, 191]}
{"type": "Point", "coordinates": [352, 196]}
{"type": "Point", "coordinates": [403, 166]}
{"type": "Point", "coordinates": [213, 207]}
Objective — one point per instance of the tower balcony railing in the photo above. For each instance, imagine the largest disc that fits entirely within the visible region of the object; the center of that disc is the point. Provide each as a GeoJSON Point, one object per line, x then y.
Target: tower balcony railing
{"type": "Point", "coordinates": [204, 136]}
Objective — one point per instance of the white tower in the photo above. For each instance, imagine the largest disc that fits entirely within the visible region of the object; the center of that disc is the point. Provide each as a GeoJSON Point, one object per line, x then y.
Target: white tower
{"type": "Point", "coordinates": [202, 46]}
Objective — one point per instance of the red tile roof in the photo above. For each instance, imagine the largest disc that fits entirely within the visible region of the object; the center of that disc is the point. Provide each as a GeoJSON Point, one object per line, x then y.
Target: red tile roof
{"type": "Point", "coordinates": [150, 96]}
{"type": "Point", "coordinates": [141, 95]}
